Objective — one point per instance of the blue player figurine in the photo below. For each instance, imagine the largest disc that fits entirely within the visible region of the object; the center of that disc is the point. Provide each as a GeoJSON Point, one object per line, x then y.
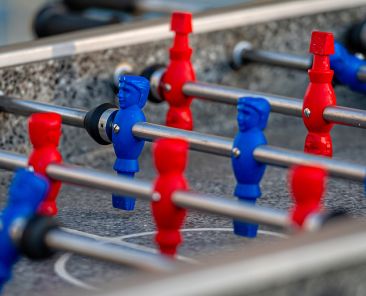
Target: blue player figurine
{"type": "Point", "coordinates": [252, 118]}
{"type": "Point", "coordinates": [26, 192]}
{"type": "Point", "coordinates": [346, 67]}
{"type": "Point", "coordinates": [132, 95]}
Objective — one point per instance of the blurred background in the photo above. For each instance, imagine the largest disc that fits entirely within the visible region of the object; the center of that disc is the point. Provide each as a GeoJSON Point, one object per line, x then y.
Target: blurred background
{"type": "Point", "coordinates": [24, 20]}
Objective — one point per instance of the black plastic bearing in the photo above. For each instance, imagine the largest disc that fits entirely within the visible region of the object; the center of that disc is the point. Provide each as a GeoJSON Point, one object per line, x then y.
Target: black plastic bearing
{"type": "Point", "coordinates": [91, 122]}
{"type": "Point", "coordinates": [354, 37]}
{"type": "Point", "coordinates": [32, 243]}
{"type": "Point", "coordinates": [147, 73]}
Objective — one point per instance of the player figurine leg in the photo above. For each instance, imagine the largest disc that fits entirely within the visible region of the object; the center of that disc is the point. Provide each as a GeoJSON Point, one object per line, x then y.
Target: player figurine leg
{"type": "Point", "coordinates": [170, 156]}
{"type": "Point", "coordinates": [319, 95]}
{"type": "Point", "coordinates": [253, 115]}
{"type": "Point", "coordinates": [307, 185]}
{"type": "Point", "coordinates": [45, 133]}
{"type": "Point", "coordinates": [132, 95]}
{"type": "Point", "coordinates": [25, 195]}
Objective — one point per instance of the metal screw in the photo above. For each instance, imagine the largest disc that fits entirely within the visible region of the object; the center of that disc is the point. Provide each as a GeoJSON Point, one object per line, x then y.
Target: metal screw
{"type": "Point", "coordinates": [156, 196]}
{"type": "Point", "coordinates": [116, 128]}
{"type": "Point", "coordinates": [307, 112]}
{"type": "Point", "coordinates": [236, 152]}
{"type": "Point", "coordinates": [167, 87]}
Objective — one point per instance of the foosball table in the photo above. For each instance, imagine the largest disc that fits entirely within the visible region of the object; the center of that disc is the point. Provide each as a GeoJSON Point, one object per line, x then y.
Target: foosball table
{"type": "Point", "coordinates": [252, 177]}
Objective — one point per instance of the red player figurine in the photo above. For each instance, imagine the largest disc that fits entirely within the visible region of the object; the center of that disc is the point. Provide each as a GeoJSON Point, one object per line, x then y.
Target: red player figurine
{"type": "Point", "coordinates": [307, 185]}
{"type": "Point", "coordinates": [319, 95]}
{"type": "Point", "coordinates": [179, 71]}
{"type": "Point", "coordinates": [170, 156]}
{"type": "Point", "coordinates": [45, 133]}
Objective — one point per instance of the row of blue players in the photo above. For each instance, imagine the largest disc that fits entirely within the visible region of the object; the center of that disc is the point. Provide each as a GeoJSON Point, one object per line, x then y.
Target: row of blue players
{"type": "Point", "coordinates": [253, 114]}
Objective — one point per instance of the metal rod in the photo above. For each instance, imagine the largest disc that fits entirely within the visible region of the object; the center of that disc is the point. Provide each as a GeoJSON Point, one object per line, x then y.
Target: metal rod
{"type": "Point", "coordinates": [62, 240]}
{"type": "Point", "coordinates": [230, 95]}
{"type": "Point", "coordinates": [266, 154]}
{"type": "Point", "coordinates": [224, 94]}
{"type": "Point", "coordinates": [279, 104]}
{"type": "Point", "coordinates": [143, 130]}
{"type": "Point", "coordinates": [260, 268]}
{"type": "Point", "coordinates": [117, 184]}
{"type": "Point", "coordinates": [345, 116]}
{"type": "Point", "coordinates": [197, 141]}
{"type": "Point", "coordinates": [244, 52]}
{"type": "Point", "coordinates": [70, 116]}
{"type": "Point", "coordinates": [211, 204]}
{"type": "Point", "coordinates": [232, 208]}
{"type": "Point", "coordinates": [279, 59]}
{"type": "Point", "coordinates": [287, 158]}
{"type": "Point", "coordinates": [88, 177]}
{"type": "Point", "coordinates": [12, 161]}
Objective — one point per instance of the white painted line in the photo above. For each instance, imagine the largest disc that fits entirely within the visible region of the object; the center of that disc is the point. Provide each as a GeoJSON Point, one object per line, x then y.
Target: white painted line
{"type": "Point", "coordinates": [60, 264]}
{"type": "Point", "coordinates": [156, 251]}
{"type": "Point", "coordinates": [60, 270]}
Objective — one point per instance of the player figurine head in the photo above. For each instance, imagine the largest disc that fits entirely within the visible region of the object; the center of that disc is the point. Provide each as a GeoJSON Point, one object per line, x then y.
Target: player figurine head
{"type": "Point", "coordinates": [27, 190]}
{"type": "Point", "coordinates": [45, 129]}
{"type": "Point", "coordinates": [252, 112]}
{"type": "Point", "coordinates": [133, 90]}
{"type": "Point", "coordinates": [170, 155]}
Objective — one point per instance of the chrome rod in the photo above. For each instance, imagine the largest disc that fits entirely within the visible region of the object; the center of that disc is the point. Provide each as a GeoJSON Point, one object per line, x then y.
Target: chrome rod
{"type": "Point", "coordinates": [287, 158]}
{"type": "Point", "coordinates": [88, 177]}
{"type": "Point", "coordinates": [146, 131]}
{"type": "Point", "coordinates": [266, 154]}
{"type": "Point", "coordinates": [279, 59]}
{"type": "Point", "coordinates": [345, 116]}
{"type": "Point", "coordinates": [12, 161]}
{"type": "Point", "coordinates": [224, 94]}
{"type": "Point", "coordinates": [279, 104]}
{"type": "Point", "coordinates": [197, 141]}
{"type": "Point", "coordinates": [118, 184]}
{"type": "Point", "coordinates": [230, 95]}
{"type": "Point", "coordinates": [260, 268]}
{"type": "Point", "coordinates": [244, 52]}
{"type": "Point", "coordinates": [70, 116]}
{"type": "Point", "coordinates": [211, 204]}
{"type": "Point", "coordinates": [232, 208]}
{"type": "Point", "coordinates": [63, 240]}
